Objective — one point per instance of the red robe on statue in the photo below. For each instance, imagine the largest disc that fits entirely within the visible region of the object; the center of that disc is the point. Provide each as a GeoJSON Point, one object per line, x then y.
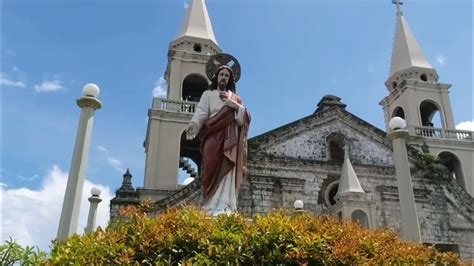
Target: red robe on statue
{"type": "Point", "coordinates": [223, 147]}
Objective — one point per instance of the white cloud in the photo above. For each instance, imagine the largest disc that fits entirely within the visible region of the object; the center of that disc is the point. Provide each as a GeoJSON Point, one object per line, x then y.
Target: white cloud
{"type": "Point", "coordinates": [32, 216]}
{"type": "Point", "coordinates": [466, 125]}
{"type": "Point", "coordinates": [7, 82]}
{"type": "Point", "coordinates": [186, 5]}
{"type": "Point", "coordinates": [102, 148]}
{"type": "Point", "coordinates": [49, 86]}
{"type": "Point", "coordinates": [160, 90]}
{"type": "Point", "coordinates": [31, 178]}
{"type": "Point", "coordinates": [441, 59]}
{"type": "Point", "coordinates": [112, 161]}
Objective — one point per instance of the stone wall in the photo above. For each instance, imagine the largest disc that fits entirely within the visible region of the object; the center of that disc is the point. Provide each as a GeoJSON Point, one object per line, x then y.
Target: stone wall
{"type": "Point", "coordinates": [292, 163]}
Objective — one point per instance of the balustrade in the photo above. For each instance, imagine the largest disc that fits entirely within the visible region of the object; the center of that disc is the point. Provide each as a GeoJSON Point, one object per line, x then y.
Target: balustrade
{"type": "Point", "coordinates": [440, 133]}
{"type": "Point", "coordinates": [176, 106]}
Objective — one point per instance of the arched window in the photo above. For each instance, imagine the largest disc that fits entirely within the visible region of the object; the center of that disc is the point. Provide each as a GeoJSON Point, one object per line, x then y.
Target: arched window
{"type": "Point", "coordinates": [361, 218]}
{"type": "Point", "coordinates": [330, 192]}
{"type": "Point", "coordinates": [430, 114]}
{"type": "Point", "coordinates": [452, 162]}
{"type": "Point", "coordinates": [336, 143]}
{"type": "Point", "coordinates": [194, 86]}
{"type": "Point", "coordinates": [398, 111]}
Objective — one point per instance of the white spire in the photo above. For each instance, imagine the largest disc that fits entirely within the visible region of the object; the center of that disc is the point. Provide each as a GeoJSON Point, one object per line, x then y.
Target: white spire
{"type": "Point", "coordinates": [198, 23]}
{"type": "Point", "coordinates": [349, 181]}
{"type": "Point", "coordinates": [406, 52]}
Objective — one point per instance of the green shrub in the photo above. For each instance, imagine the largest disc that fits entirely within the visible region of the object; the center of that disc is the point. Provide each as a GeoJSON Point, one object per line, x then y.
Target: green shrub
{"type": "Point", "coordinates": [188, 236]}
{"type": "Point", "coordinates": [11, 253]}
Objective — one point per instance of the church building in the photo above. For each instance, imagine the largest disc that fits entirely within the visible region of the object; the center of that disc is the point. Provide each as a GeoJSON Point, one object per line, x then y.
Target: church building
{"type": "Point", "coordinates": [332, 160]}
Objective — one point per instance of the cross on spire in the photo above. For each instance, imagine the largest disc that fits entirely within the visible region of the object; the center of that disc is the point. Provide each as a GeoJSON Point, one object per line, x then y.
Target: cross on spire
{"type": "Point", "coordinates": [398, 3]}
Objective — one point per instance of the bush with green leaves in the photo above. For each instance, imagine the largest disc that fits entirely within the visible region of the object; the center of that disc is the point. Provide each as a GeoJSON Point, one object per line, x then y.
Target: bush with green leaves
{"type": "Point", "coordinates": [188, 236]}
{"type": "Point", "coordinates": [12, 253]}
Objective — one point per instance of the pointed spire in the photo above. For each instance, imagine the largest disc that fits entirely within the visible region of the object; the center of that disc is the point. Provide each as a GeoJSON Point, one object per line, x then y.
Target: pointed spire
{"type": "Point", "coordinates": [198, 23]}
{"type": "Point", "coordinates": [406, 52]}
{"type": "Point", "coordinates": [349, 181]}
{"type": "Point", "coordinates": [127, 182]}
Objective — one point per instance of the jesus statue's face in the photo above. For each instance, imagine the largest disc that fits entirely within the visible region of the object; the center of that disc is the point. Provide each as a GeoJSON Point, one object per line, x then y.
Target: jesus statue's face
{"type": "Point", "coordinates": [223, 78]}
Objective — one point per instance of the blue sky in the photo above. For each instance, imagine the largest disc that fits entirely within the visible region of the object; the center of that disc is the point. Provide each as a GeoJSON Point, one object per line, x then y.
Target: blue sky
{"type": "Point", "coordinates": [292, 53]}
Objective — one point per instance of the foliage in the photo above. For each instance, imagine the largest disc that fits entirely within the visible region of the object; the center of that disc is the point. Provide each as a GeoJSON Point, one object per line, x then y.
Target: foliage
{"type": "Point", "coordinates": [11, 253]}
{"type": "Point", "coordinates": [187, 236]}
{"type": "Point", "coordinates": [430, 165]}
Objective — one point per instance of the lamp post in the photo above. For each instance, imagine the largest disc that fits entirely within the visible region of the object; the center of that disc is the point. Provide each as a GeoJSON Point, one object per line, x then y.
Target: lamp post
{"type": "Point", "coordinates": [94, 200]}
{"type": "Point", "coordinates": [298, 204]}
{"type": "Point", "coordinates": [75, 183]}
{"type": "Point", "coordinates": [410, 225]}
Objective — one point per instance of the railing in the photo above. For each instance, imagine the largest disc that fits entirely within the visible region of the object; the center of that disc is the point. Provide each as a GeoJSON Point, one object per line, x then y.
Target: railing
{"type": "Point", "coordinates": [175, 106]}
{"type": "Point", "coordinates": [440, 133]}
{"type": "Point", "coordinates": [458, 134]}
{"type": "Point", "coordinates": [429, 132]}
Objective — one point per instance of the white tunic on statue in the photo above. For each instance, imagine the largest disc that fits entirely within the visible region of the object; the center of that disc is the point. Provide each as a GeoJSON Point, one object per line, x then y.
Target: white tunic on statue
{"type": "Point", "coordinates": [224, 199]}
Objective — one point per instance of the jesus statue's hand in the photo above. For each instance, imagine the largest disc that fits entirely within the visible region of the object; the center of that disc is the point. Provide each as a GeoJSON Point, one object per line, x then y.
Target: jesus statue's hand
{"type": "Point", "coordinates": [191, 131]}
{"type": "Point", "coordinates": [232, 104]}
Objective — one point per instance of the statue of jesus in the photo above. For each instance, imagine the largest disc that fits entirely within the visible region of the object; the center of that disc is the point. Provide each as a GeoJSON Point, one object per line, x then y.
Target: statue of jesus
{"type": "Point", "coordinates": [221, 122]}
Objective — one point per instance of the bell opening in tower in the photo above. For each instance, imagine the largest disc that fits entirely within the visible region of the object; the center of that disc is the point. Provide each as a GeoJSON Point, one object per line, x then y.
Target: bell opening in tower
{"type": "Point", "coordinates": [430, 114]}
{"type": "Point", "coordinates": [194, 86]}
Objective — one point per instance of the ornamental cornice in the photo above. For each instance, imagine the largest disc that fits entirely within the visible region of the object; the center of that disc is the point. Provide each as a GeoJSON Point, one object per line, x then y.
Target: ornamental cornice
{"type": "Point", "coordinates": [88, 101]}
{"type": "Point", "coordinates": [413, 85]}
{"type": "Point", "coordinates": [275, 165]}
{"type": "Point", "coordinates": [169, 116]}
{"type": "Point", "coordinates": [398, 134]}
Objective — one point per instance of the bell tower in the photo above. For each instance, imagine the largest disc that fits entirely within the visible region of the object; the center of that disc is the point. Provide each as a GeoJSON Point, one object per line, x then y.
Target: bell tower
{"type": "Point", "coordinates": [165, 146]}
{"type": "Point", "coordinates": [416, 96]}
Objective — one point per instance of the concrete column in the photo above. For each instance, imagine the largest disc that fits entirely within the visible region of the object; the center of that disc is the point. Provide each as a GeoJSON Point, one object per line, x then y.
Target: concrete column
{"type": "Point", "coordinates": [176, 80]}
{"type": "Point", "coordinates": [410, 225]}
{"type": "Point", "coordinates": [75, 183]}
{"type": "Point", "coordinates": [94, 202]}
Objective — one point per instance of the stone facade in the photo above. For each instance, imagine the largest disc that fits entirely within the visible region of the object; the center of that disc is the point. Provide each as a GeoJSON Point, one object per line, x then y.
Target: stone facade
{"type": "Point", "coordinates": [293, 162]}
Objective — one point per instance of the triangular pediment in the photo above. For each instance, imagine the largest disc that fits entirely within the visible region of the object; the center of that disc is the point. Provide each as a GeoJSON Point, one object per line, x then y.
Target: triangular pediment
{"type": "Point", "coordinates": [307, 139]}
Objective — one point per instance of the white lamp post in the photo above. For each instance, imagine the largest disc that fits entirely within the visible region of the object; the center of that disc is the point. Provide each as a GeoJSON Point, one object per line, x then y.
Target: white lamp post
{"type": "Point", "coordinates": [75, 183]}
{"type": "Point", "coordinates": [410, 224]}
{"type": "Point", "coordinates": [94, 200]}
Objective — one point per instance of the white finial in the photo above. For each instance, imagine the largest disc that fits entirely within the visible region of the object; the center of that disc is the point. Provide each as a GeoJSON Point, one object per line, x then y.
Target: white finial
{"type": "Point", "coordinates": [298, 204]}
{"type": "Point", "coordinates": [91, 90]}
{"type": "Point", "coordinates": [397, 123]}
{"type": "Point", "coordinates": [398, 3]}
{"type": "Point", "coordinates": [95, 191]}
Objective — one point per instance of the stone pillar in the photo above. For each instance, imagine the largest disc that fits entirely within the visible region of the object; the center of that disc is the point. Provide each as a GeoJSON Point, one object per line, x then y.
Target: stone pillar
{"type": "Point", "coordinates": [410, 226]}
{"type": "Point", "coordinates": [94, 202]}
{"type": "Point", "coordinates": [75, 183]}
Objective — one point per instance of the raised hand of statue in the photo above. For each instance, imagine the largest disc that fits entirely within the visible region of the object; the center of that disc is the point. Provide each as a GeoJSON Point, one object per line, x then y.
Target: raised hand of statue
{"type": "Point", "coordinates": [231, 103]}
{"type": "Point", "coordinates": [223, 95]}
{"type": "Point", "coordinates": [191, 131]}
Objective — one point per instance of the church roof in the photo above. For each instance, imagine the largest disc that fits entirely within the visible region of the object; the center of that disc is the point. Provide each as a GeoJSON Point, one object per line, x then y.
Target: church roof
{"type": "Point", "coordinates": [406, 52]}
{"type": "Point", "coordinates": [198, 23]}
{"type": "Point", "coordinates": [323, 112]}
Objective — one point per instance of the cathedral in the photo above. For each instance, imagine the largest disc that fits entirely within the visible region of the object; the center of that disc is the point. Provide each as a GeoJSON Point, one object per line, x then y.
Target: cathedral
{"type": "Point", "coordinates": [332, 160]}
